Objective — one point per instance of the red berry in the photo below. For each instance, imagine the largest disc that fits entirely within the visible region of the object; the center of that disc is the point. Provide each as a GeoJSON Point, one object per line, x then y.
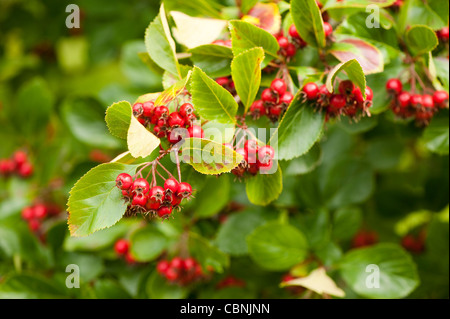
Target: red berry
{"type": "Point", "coordinates": [40, 211]}
{"type": "Point", "coordinates": [148, 108]}
{"type": "Point", "coordinates": [174, 136]}
{"type": "Point", "coordinates": [156, 194]}
{"type": "Point", "coordinates": [171, 274]}
{"type": "Point", "coordinates": [358, 95]}
{"type": "Point", "coordinates": [369, 94]}
{"type": "Point", "coordinates": [186, 109]}
{"type": "Point", "coordinates": [251, 147]}
{"type": "Point", "coordinates": [162, 267]}
{"type": "Point", "coordinates": [164, 211]}
{"type": "Point", "coordinates": [346, 87]}
{"type": "Point", "coordinates": [253, 168]}
{"type": "Point", "coordinates": [394, 86]}
{"type": "Point", "coordinates": [125, 193]}
{"type": "Point", "coordinates": [121, 246]}
{"type": "Point", "coordinates": [293, 32]}
{"type": "Point", "coordinates": [171, 185]}
{"type": "Point", "coordinates": [266, 153]}
{"type": "Point", "coordinates": [124, 181]}
{"type": "Point", "coordinates": [176, 120]}
{"type": "Point", "coordinates": [275, 111]}
{"type": "Point", "coordinates": [257, 109]}
{"type": "Point", "coordinates": [337, 102]}
{"type": "Point", "coordinates": [242, 152]}
{"type": "Point", "coordinates": [404, 99]}
{"type": "Point", "coordinates": [189, 264]}
{"type": "Point", "coordinates": [184, 190]}
{"type": "Point", "coordinates": [279, 86]}
{"type": "Point", "coordinates": [268, 97]}
{"type": "Point", "coordinates": [161, 112]}
{"type": "Point", "coordinates": [20, 158]}
{"type": "Point", "coordinates": [129, 258]}
{"type": "Point", "coordinates": [427, 101]}
{"type": "Point", "coordinates": [140, 186]}
{"type": "Point", "coordinates": [223, 81]}
{"type": "Point", "coordinates": [28, 213]}
{"type": "Point", "coordinates": [173, 200]}
{"type": "Point", "coordinates": [26, 170]}
{"type": "Point", "coordinates": [286, 98]}
{"type": "Point", "coordinates": [152, 205]}
{"type": "Point", "coordinates": [443, 34]}
{"type": "Point", "coordinates": [139, 200]}
{"type": "Point", "coordinates": [327, 28]}
{"type": "Point", "coordinates": [138, 109]}
{"type": "Point", "coordinates": [283, 42]}
{"type": "Point", "coordinates": [324, 93]}
{"type": "Point", "coordinates": [6, 166]}
{"type": "Point", "coordinates": [34, 224]}
{"type": "Point", "coordinates": [440, 98]}
{"type": "Point", "coordinates": [416, 100]}
{"type": "Point", "coordinates": [311, 90]}
{"type": "Point", "coordinates": [196, 131]}
{"type": "Point", "coordinates": [290, 50]}
{"type": "Point", "coordinates": [176, 263]}
{"type": "Point", "coordinates": [160, 131]}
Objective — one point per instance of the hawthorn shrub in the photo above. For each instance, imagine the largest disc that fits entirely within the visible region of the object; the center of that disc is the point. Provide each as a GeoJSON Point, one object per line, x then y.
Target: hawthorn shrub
{"type": "Point", "coordinates": [258, 150]}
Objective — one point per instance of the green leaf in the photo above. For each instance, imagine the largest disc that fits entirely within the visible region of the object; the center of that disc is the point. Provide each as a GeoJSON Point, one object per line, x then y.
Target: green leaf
{"type": "Point", "coordinates": [208, 157]}
{"type": "Point", "coordinates": [397, 272]}
{"type": "Point", "coordinates": [27, 286]}
{"type": "Point", "coordinates": [84, 119]}
{"type": "Point", "coordinates": [207, 254]}
{"type": "Point", "coordinates": [172, 92]}
{"type": "Point", "coordinates": [231, 237]}
{"type": "Point", "coordinates": [354, 72]}
{"type": "Point", "coordinates": [157, 287]}
{"type": "Point", "coordinates": [299, 129]}
{"type": "Point", "coordinates": [418, 12]}
{"type": "Point", "coordinates": [346, 182]}
{"type": "Point", "coordinates": [305, 163]}
{"type": "Point", "coordinates": [263, 189]}
{"type": "Point", "coordinates": [276, 246]}
{"type": "Point", "coordinates": [246, 36]}
{"type": "Point", "coordinates": [95, 202]}
{"type": "Point", "coordinates": [211, 101]}
{"type": "Point", "coordinates": [436, 136]}
{"type": "Point", "coordinates": [214, 60]}
{"type": "Point", "coordinates": [246, 72]}
{"type": "Point", "coordinates": [141, 142]}
{"type": "Point", "coordinates": [118, 118]}
{"type": "Point", "coordinates": [357, 4]}
{"type": "Point", "coordinates": [421, 39]}
{"type": "Point", "coordinates": [368, 56]}
{"type": "Point", "coordinates": [308, 21]}
{"type": "Point", "coordinates": [33, 106]}
{"type": "Point", "coordinates": [160, 45]}
{"type": "Point", "coordinates": [346, 222]}
{"type": "Point", "coordinates": [147, 243]}
{"type": "Point", "coordinates": [214, 198]}
{"type": "Point", "coordinates": [100, 240]}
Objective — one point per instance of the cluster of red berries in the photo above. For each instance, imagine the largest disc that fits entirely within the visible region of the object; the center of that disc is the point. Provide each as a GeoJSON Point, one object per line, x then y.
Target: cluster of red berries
{"type": "Point", "coordinates": [349, 101]}
{"type": "Point", "coordinates": [122, 249]}
{"type": "Point", "coordinates": [18, 164]}
{"type": "Point", "coordinates": [163, 123]}
{"type": "Point", "coordinates": [156, 200]}
{"type": "Point", "coordinates": [256, 159]}
{"type": "Point", "coordinates": [37, 213]}
{"type": "Point", "coordinates": [364, 238]}
{"type": "Point", "coordinates": [414, 244]}
{"type": "Point", "coordinates": [180, 271]}
{"type": "Point", "coordinates": [274, 101]}
{"type": "Point", "coordinates": [230, 281]}
{"type": "Point", "coordinates": [410, 105]}
{"type": "Point", "coordinates": [227, 83]}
